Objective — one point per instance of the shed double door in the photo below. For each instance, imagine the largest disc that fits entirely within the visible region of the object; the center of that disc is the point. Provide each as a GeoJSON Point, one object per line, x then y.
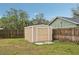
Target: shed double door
{"type": "Point", "coordinates": [42, 34]}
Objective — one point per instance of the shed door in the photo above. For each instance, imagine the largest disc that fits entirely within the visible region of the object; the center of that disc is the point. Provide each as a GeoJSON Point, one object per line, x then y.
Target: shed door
{"type": "Point", "coordinates": [42, 34]}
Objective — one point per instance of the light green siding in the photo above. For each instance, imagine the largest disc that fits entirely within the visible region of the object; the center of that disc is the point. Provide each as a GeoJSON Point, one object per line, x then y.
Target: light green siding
{"type": "Point", "coordinates": [58, 23]}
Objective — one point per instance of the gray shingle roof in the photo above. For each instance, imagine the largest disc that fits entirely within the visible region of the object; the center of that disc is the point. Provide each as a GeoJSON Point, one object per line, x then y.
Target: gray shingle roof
{"type": "Point", "coordinates": [73, 20]}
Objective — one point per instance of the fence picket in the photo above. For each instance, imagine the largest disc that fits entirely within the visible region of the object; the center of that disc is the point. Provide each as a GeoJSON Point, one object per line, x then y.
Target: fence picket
{"type": "Point", "coordinates": [11, 33]}
{"type": "Point", "coordinates": [66, 34]}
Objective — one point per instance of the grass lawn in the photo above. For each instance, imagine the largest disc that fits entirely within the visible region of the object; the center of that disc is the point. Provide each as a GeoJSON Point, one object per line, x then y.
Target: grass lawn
{"type": "Point", "coordinates": [22, 47]}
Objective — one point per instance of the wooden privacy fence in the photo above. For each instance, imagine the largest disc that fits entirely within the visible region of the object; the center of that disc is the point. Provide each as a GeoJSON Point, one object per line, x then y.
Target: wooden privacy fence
{"type": "Point", "coordinates": [71, 34]}
{"type": "Point", "coordinates": [11, 33]}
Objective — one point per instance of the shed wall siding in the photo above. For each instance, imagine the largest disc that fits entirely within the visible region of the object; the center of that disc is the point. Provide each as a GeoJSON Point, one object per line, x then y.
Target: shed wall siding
{"type": "Point", "coordinates": [58, 23]}
{"type": "Point", "coordinates": [28, 34]}
{"type": "Point", "coordinates": [38, 33]}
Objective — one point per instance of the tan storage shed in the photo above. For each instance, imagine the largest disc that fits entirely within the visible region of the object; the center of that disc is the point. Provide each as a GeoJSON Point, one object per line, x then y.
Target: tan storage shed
{"type": "Point", "coordinates": [38, 33]}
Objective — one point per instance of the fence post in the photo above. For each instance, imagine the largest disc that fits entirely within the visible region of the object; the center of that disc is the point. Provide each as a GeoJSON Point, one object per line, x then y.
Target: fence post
{"type": "Point", "coordinates": [53, 34]}
{"type": "Point", "coordinates": [73, 34]}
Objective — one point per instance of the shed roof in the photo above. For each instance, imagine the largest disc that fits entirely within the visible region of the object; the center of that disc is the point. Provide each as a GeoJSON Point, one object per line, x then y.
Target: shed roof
{"type": "Point", "coordinates": [41, 25]}
{"type": "Point", "coordinates": [73, 20]}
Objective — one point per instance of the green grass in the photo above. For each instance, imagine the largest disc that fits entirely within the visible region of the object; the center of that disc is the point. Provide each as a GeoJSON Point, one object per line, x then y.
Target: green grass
{"type": "Point", "coordinates": [22, 47]}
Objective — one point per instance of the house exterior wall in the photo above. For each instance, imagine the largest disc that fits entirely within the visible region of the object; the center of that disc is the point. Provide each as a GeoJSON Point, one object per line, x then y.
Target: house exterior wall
{"type": "Point", "coordinates": [58, 23]}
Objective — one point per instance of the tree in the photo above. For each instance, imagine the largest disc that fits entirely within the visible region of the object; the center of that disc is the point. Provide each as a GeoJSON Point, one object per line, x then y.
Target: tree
{"type": "Point", "coordinates": [3, 22]}
{"type": "Point", "coordinates": [39, 19]}
{"type": "Point", "coordinates": [23, 19]}
{"type": "Point", "coordinates": [15, 19]}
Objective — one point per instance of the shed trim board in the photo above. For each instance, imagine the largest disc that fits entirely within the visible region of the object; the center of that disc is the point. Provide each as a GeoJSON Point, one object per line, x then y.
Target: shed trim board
{"type": "Point", "coordinates": [24, 33]}
{"type": "Point", "coordinates": [32, 34]}
{"type": "Point", "coordinates": [51, 33]}
{"type": "Point", "coordinates": [48, 33]}
{"type": "Point", "coordinates": [37, 32]}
